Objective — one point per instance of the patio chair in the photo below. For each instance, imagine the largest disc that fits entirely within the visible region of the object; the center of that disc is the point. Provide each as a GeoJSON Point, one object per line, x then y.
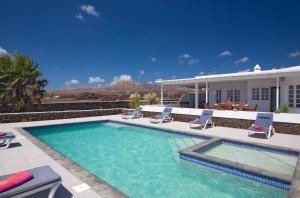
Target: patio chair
{"type": "Point", "coordinates": [30, 182]}
{"type": "Point", "coordinates": [240, 106]}
{"type": "Point", "coordinates": [5, 139]}
{"type": "Point", "coordinates": [205, 105]}
{"type": "Point", "coordinates": [263, 125]}
{"type": "Point", "coordinates": [165, 116]}
{"type": "Point", "coordinates": [251, 108]}
{"type": "Point", "coordinates": [204, 120]}
{"type": "Point", "coordinates": [137, 113]}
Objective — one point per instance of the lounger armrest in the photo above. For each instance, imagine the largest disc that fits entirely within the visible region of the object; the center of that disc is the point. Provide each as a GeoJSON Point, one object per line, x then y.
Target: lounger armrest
{"type": "Point", "coordinates": [271, 127]}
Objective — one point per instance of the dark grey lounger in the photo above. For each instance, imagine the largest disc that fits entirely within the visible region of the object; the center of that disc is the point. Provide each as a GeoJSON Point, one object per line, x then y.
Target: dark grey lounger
{"type": "Point", "coordinates": [43, 178]}
{"type": "Point", "coordinates": [6, 140]}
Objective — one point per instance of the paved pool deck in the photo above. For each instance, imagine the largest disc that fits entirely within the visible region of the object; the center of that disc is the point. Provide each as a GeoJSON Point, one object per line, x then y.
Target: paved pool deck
{"type": "Point", "coordinates": [24, 154]}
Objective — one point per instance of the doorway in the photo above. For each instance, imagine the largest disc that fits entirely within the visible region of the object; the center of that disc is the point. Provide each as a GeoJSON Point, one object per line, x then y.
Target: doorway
{"type": "Point", "coordinates": [273, 98]}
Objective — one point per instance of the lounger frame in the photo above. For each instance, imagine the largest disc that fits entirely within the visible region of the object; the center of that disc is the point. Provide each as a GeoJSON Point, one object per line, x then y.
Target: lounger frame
{"type": "Point", "coordinates": [202, 126]}
{"type": "Point", "coordinates": [43, 178]}
{"type": "Point", "coordinates": [133, 115]}
{"type": "Point", "coordinates": [166, 118]}
{"type": "Point", "coordinates": [6, 140]}
{"type": "Point", "coordinates": [53, 187]}
{"type": "Point", "coordinates": [268, 132]}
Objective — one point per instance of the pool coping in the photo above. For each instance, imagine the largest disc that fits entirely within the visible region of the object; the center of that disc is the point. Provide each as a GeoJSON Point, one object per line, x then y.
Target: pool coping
{"type": "Point", "coordinates": [100, 186]}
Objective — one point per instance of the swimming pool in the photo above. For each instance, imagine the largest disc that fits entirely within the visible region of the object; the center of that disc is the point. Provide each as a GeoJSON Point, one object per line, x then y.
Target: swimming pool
{"type": "Point", "coordinates": [144, 162]}
{"type": "Point", "coordinates": [271, 161]}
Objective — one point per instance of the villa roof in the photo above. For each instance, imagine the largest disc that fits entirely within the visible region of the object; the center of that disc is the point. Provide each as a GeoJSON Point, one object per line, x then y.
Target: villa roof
{"type": "Point", "coordinates": [262, 74]}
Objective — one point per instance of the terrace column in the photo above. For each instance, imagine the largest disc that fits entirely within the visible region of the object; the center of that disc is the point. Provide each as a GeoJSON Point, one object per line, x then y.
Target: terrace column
{"type": "Point", "coordinates": [161, 94]}
{"type": "Point", "coordinates": [206, 92]}
{"type": "Point", "coordinates": [196, 95]}
{"type": "Point", "coordinates": [277, 93]}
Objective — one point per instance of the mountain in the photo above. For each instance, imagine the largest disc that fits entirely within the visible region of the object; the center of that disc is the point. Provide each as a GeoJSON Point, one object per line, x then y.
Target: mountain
{"type": "Point", "coordinates": [131, 86]}
{"type": "Point", "coordinates": [117, 91]}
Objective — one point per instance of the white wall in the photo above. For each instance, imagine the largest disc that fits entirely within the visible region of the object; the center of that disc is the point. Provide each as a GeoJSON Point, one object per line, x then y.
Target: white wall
{"type": "Point", "coordinates": [225, 86]}
{"type": "Point", "coordinates": [246, 115]}
{"type": "Point", "coordinates": [285, 85]}
{"type": "Point", "coordinates": [263, 105]}
{"type": "Point", "coordinates": [246, 91]}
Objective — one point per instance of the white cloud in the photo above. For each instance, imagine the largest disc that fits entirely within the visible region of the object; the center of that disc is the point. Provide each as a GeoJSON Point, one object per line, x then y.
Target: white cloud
{"type": "Point", "coordinates": [295, 54]}
{"type": "Point", "coordinates": [193, 61]}
{"type": "Point", "coordinates": [184, 56]}
{"type": "Point", "coordinates": [201, 73]}
{"type": "Point", "coordinates": [89, 9]}
{"type": "Point", "coordinates": [72, 82]}
{"type": "Point", "coordinates": [173, 77]}
{"type": "Point", "coordinates": [142, 72]}
{"type": "Point", "coordinates": [153, 59]}
{"type": "Point", "coordinates": [2, 51]}
{"type": "Point", "coordinates": [242, 60]}
{"type": "Point", "coordinates": [122, 77]}
{"type": "Point", "coordinates": [79, 17]}
{"type": "Point", "coordinates": [159, 79]}
{"type": "Point", "coordinates": [149, 82]}
{"type": "Point", "coordinates": [187, 59]}
{"type": "Point", "coordinates": [96, 79]}
{"type": "Point", "coordinates": [225, 53]}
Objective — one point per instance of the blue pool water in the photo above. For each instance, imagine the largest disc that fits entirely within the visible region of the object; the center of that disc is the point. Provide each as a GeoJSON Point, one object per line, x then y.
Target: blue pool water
{"type": "Point", "coordinates": [143, 162]}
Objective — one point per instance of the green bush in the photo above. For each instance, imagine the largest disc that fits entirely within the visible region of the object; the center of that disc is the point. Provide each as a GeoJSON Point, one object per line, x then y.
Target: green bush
{"type": "Point", "coordinates": [151, 98]}
{"type": "Point", "coordinates": [284, 109]}
{"type": "Point", "coordinates": [135, 100]}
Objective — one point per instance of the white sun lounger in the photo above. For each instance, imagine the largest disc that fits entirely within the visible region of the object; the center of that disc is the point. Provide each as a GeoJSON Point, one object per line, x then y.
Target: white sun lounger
{"type": "Point", "coordinates": [137, 113]}
{"type": "Point", "coordinates": [263, 125]}
{"type": "Point", "coordinates": [6, 140]}
{"type": "Point", "coordinates": [43, 178]}
{"type": "Point", "coordinates": [165, 116]}
{"type": "Point", "coordinates": [204, 120]}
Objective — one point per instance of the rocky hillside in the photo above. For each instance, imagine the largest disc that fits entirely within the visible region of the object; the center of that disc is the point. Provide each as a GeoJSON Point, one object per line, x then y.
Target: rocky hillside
{"type": "Point", "coordinates": [118, 91]}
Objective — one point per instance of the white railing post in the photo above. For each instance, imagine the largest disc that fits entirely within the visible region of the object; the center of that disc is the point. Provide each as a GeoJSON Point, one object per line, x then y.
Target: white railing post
{"type": "Point", "coordinates": [277, 93]}
{"type": "Point", "coordinates": [206, 92]}
{"type": "Point", "coordinates": [196, 95]}
{"type": "Point", "coordinates": [162, 94]}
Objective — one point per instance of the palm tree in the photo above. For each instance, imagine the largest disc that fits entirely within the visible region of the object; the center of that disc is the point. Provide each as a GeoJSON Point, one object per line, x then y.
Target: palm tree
{"type": "Point", "coordinates": [21, 84]}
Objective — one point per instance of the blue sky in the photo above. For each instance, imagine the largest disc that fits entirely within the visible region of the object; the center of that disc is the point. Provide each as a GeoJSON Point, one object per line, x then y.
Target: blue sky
{"type": "Point", "coordinates": [94, 43]}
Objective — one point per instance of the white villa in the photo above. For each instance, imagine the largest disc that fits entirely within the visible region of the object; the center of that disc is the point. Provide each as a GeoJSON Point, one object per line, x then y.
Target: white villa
{"type": "Point", "coordinates": [268, 89]}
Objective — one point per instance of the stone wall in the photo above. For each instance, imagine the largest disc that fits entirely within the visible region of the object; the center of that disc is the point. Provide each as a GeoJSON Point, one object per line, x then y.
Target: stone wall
{"type": "Point", "coordinates": [71, 106]}
{"type": "Point", "coordinates": [281, 127]}
{"type": "Point", "coordinates": [54, 115]}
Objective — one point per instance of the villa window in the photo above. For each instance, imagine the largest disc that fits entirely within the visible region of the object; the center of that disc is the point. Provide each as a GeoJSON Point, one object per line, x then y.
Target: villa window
{"type": "Point", "coordinates": [255, 93]}
{"type": "Point", "coordinates": [291, 96]}
{"type": "Point", "coordinates": [294, 96]}
{"type": "Point", "coordinates": [237, 95]}
{"type": "Point", "coordinates": [264, 93]}
{"type": "Point", "coordinates": [230, 94]}
{"type": "Point", "coordinates": [218, 96]}
{"type": "Point", "coordinates": [297, 96]}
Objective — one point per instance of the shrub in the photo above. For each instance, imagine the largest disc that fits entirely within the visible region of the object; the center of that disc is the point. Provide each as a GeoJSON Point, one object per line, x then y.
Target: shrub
{"type": "Point", "coordinates": [151, 98]}
{"type": "Point", "coordinates": [135, 100]}
{"type": "Point", "coordinates": [284, 109]}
